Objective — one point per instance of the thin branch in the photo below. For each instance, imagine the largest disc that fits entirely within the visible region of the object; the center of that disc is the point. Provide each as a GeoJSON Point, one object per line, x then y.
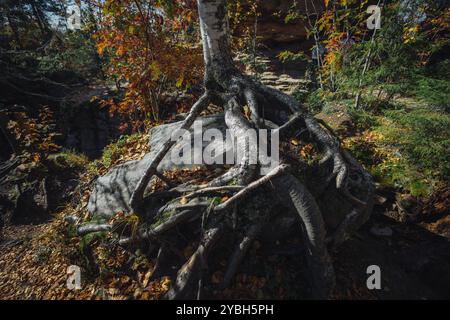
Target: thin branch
{"type": "Point", "coordinates": [252, 186]}
{"type": "Point", "coordinates": [91, 228]}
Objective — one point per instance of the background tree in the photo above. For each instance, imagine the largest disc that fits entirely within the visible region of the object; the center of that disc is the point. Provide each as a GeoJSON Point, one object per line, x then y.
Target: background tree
{"type": "Point", "coordinates": [147, 46]}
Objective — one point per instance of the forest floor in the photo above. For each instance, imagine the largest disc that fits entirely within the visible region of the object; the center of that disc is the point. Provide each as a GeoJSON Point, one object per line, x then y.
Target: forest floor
{"type": "Point", "coordinates": [414, 259]}
{"type": "Point", "coordinates": [412, 252]}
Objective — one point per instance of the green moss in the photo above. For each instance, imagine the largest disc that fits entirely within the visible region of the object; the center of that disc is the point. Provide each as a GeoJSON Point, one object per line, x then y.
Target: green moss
{"type": "Point", "coordinates": [422, 136]}
{"type": "Point", "coordinates": [69, 159]}
{"type": "Point", "coordinates": [89, 238]}
{"type": "Point", "coordinates": [113, 151]}
{"type": "Point", "coordinates": [163, 218]}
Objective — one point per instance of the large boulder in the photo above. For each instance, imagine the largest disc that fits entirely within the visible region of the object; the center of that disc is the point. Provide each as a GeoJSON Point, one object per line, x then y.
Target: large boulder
{"type": "Point", "coordinates": [112, 192]}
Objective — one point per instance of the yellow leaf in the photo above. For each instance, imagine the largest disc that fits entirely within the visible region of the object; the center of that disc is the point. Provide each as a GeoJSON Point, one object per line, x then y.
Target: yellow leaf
{"type": "Point", "coordinates": [101, 47]}
{"type": "Point", "coordinates": [146, 279]}
{"type": "Point", "coordinates": [165, 283]}
{"type": "Point", "coordinates": [155, 69]}
{"type": "Point", "coordinates": [120, 51]}
{"type": "Point", "coordinates": [180, 81]}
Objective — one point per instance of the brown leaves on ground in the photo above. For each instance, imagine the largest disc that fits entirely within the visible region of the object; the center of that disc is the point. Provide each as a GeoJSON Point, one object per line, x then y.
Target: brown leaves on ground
{"type": "Point", "coordinates": [34, 261]}
{"type": "Point", "coordinates": [195, 176]}
{"type": "Point", "coordinates": [33, 264]}
{"type": "Point", "coordinates": [34, 258]}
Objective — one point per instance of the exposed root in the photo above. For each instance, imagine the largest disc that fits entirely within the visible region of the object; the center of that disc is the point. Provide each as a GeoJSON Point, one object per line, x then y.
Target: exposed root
{"type": "Point", "coordinates": [226, 178]}
{"type": "Point", "coordinates": [240, 252]}
{"type": "Point", "coordinates": [164, 179]}
{"type": "Point", "coordinates": [245, 170]}
{"type": "Point", "coordinates": [252, 102]}
{"type": "Point", "coordinates": [293, 194]}
{"type": "Point", "coordinates": [157, 231]}
{"type": "Point", "coordinates": [214, 190]}
{"type": "Point", "coordinates": [192, 271]}
{"type": "Point", "coordinates": [285, 129]}
{"type": "Point", "coordinates": [91, 228]}
{"type": "Point", "coordinates": [252, 186]}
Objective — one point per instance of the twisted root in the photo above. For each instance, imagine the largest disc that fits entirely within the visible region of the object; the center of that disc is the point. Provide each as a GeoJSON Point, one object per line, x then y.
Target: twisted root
{"type": "Point", "coordinates": [289, 190]}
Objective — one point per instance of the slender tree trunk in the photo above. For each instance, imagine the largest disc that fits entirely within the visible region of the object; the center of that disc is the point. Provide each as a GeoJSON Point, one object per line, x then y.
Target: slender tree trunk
{"type": "Point", "coordinates": [14, 30]}
{"type": "Point", "coordinates": [366, 66]}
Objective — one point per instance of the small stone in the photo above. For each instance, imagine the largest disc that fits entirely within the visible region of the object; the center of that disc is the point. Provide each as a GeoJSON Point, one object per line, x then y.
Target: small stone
{"type": "Point", "coordinates": [381, 231]}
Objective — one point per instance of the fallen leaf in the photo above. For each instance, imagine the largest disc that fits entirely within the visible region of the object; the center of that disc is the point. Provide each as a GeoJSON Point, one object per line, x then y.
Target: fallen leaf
{"type": "Point", "coordinates": [146, 279]}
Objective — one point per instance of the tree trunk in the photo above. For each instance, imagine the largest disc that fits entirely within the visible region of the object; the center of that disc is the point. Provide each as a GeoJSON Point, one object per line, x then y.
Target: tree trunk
{"type": "Point", "coordinates": [215, 32]}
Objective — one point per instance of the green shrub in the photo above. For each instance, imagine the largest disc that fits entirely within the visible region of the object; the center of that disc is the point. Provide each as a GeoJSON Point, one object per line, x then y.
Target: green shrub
{"type": "Point", "coordinates": [435, 92]}
{"type": "Point", "coordinates": [415, 148]}
{"type": "Point", "coordinates": [77, 55]}
{"type": "Point", "coordinates": [315, 101]}
{"type": "Point", "coordinates": [423, 136]}
{"type": "Point", "coordinates": [404, 147]}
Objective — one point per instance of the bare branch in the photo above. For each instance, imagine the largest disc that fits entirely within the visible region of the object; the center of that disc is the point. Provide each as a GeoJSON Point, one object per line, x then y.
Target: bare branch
{"type": "Point", "coordinates": [252, 186]}
{"type": "Point", "coordinates": [91, 228]}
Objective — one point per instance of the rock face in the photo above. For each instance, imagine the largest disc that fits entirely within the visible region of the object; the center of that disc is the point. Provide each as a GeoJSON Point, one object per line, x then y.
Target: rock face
{"type": "Point", "coordinates": [273, 29]}
{"type": "Point", "coordinates": [89, 127]}
{"type": "Point", "coordinates": [112, 191]}
{"type": "Point", "coordinates": [90, 130]}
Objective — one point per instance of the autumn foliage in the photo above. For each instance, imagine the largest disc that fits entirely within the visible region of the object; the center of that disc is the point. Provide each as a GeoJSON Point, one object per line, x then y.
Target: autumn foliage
{"type": "Point", "coordinates": [152, 49]}
{"type": "Point", "coordinates": [36, 136]}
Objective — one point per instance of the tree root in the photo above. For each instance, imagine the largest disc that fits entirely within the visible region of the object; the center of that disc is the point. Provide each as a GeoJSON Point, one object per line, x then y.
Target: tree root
{"type": "Point", "coordinates": [214, 190]}
{"type": "Point", "coordinates": [157, 231]}
{"type": "Point", "coordinates": [240, 252]}
{"type": "Point", "coordinates": [138, 194]}
{"type": "Point", "coordinates": [233, 93]}
{"type": "Point", "coordinates": [252, 186]}
{"type": "Point", "coordinates": [293, 194]}
{"type": "Point", "coordinates": [192, 271]}
{"type": "Point", "coordinates": [91, 228]}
